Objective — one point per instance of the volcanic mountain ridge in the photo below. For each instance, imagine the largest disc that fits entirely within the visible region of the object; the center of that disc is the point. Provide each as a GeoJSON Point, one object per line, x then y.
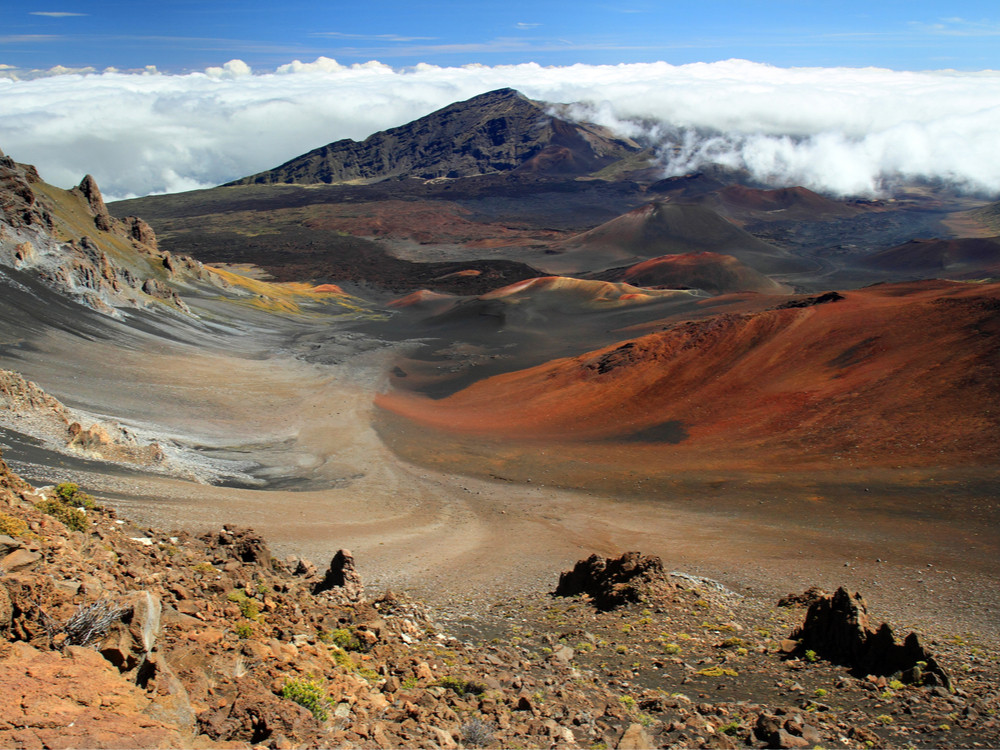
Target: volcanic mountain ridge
{"type": "Point", "coordinates": [499, 131]}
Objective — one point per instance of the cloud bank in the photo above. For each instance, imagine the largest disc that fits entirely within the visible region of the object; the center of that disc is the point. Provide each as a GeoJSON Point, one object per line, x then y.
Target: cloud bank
{"type": "Point", "coordinates": [838, 130]}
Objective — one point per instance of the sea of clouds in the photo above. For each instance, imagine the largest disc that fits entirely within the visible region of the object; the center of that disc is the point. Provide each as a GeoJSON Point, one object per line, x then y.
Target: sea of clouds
{"type": "Point", "coordinates": [843, 131]}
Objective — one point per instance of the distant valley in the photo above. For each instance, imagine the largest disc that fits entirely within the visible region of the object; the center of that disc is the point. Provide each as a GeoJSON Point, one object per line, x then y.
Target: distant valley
{"type": "Point", "coordinates": [497, 340]}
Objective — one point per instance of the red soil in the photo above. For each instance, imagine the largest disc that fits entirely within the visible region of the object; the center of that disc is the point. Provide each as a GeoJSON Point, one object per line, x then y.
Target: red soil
{"type": "Point", "coordinates": [790, 203]}
{"type": "Point", "coordinates": [902, 374]}
{"type": "Point", "coordinates": [958, 257]}
{"type": "Point", "coordinates": [420, 221]}
{"type": "Point", "coordinates": [712, 272]}
{"type": "Point", "coordinates": [327, 289]}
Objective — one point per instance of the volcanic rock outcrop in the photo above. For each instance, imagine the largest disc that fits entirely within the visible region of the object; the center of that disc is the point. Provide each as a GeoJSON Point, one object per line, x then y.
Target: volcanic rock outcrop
{"type": "Point", "coordinates": [496, 132]}
{"type": "Point", "coordinates": [28, 409]}
{"type": "Point", "coordinates": [838, 628]}
{"type": "Point", "coordinates": [342, 578]}
{"type": "Point", "coordinates": [845, 379]}
{"type": "Point", "coordinates": [612, 582]}
{"type": "Point", "coordinates": [68, 240]}
{"type": "Point", "coordinates": [711, 272]}
{"type": "Point", "coordinates": [667, 228]}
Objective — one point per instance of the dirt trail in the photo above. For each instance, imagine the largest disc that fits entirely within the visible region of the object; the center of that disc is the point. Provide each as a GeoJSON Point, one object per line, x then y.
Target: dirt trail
{"type": "Point", "coordinates": [462, 541]}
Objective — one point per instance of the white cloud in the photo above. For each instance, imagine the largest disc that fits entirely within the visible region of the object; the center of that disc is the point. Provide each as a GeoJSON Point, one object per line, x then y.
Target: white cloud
{"type": "Point", "coordinates": [55, 14]}
{"type": "Point", "coordinates": [841, 130]}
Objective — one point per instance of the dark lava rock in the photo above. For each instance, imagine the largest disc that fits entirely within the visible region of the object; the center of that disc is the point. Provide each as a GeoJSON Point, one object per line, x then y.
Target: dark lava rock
{"type": "Point", "coordinates": [837, 629]}
{"type": "Point", "coordinates": [241, 544]}
{"type": "Point", "coordinates": [342, 576]}
{"type": "Point", "coordinates": [612, 582]}
{"type": "Point", "coordinates": [821, 299]}
{"type": "Point", "coordinates": [495, 132]}
{"type": "Point", "coordinates": [805, 599]}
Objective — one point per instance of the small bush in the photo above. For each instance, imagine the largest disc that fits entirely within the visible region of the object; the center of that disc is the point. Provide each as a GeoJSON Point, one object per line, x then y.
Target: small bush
{"type": "Point", "coordinates": [717, 671]}
{"type": "Point", "coordinates": [462, 687]}
{"type": "Point", "coordinates": [72, 518]}
{"type": "Point", "coordinates": [11, 526]}
{"type": "Point", "coordinates": [69, 493]}
{"type": "Point", "coordinates": [248, 607]}
{"type": "Point", "coordinates": [91, 622]}
{"type": "Point", "coordinates": [478, 733]}
{"type": "Point", "coordinates": [243, 630]}
{"type": "Point", "coordinates": [346, 662]}
{"type": "Point", "coordinates": [345, 639]}
{"type": "Point", "coordinates": [310, 695]}
{"type": "Point", "coordinates": [671, 648]}
{"type": "Point", "coordinates": [730, 729]}
{"type": "Point", "coordinates": [811, 656]}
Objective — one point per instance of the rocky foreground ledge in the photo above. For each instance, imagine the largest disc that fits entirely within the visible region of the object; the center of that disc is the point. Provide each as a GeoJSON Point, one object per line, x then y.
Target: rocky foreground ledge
{"type": "Point", "coordinates": [117, 637]}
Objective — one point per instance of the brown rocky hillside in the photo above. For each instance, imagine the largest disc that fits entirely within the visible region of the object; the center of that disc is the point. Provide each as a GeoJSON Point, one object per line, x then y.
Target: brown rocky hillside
{"type": "Point", "coordinates": [499, 131]}
{"type": "Point", "coordinates": [112, 636]}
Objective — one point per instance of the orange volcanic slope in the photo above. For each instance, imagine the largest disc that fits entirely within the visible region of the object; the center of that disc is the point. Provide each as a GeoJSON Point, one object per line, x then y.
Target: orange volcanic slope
{"type": "Point", "coordinates": [963, 256]}
{"type": "Point", "coordinates": [783, 204]}
{"type": "Point", "coordinates": [712, 272]}
{"type": "Point", "coordinates": [890, 375]}
{"type": "Point", "coordinates": [665, 228]}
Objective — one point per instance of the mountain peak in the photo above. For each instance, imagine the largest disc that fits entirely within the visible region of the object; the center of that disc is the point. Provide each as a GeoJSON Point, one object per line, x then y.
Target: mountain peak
{"type": "Point", "coordinates": [495, 132]}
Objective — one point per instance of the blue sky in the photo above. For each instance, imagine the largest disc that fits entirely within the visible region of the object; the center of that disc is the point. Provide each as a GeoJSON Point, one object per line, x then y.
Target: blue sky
{"type": "Point", "coordinates": [181, 35]}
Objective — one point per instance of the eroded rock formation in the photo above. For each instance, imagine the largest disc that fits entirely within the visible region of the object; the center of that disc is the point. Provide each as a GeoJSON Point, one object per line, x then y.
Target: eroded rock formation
{"type": "Point", "coordinates": [612, 582]}
{"type": "Point", "coordinates": [838, 628]}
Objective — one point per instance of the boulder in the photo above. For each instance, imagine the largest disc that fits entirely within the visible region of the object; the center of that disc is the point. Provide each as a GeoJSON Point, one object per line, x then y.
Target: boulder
{"type": "Point", "coordinates": [6, 609]}
{"type": "Point", "coordinates": [635, 738]}
{"type": "Point", "coordinates": [805, 599]}
{"type": "Point", "coordinates": [613, 582]}
{"type": "Point", "coordinates": [342, 578]}
{"type": "Point", "coordinates": [19, 559]}
{"type": "Point", "coordinates": [837, 629]}
{"type": "Point", "coordinates": [255, 715]}
{"type": "Point", "coordinates": [240, 544]}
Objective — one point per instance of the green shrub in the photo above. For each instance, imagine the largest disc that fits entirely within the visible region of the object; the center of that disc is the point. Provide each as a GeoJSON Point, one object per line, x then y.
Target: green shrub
{"type": "Point", "coordinates": [66, 490]}
{"type": "Point", "coordinates": [73, 518]}
{"type": "Point", "coordinates": [69, 493]}
{"type": "Point", "coordinates": [717, 671]}
{"type": "Point", "coordinates": [248, 607]}
{"type": "Point", "coordinates": [461, 687]}
{"type": "Point", "coordinates": [811, 656]}
{"type": "Point", "coordinates": [310, 695]}
{"type": "Point", "coordinates": [12, 526]}
{"type": "Point", "coordinates": [345, 639]}
{"type": "Point", "coordinates": [243, 630]}
{"type": "Point", "coordinates": [729, 729]}
{"type": "Point", "coordinates": [346, 662]}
